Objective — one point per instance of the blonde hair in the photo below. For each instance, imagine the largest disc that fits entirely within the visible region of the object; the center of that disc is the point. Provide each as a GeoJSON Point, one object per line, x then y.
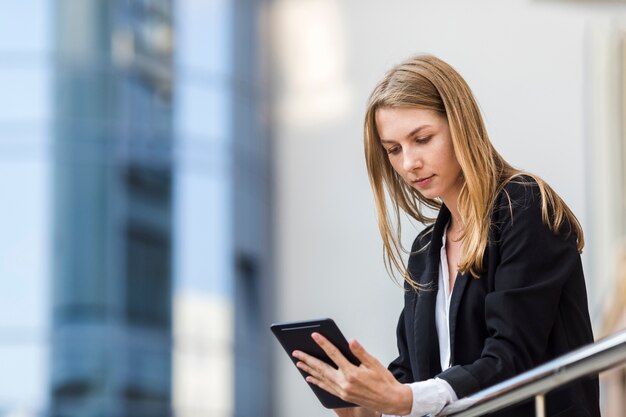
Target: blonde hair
{"type": "Point", "coordinates": [427, 82]}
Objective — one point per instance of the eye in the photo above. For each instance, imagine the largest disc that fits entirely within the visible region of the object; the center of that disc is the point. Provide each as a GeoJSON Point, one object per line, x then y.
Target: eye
{"type": "Point", "coordinates": [423, 140]}
{"type": "Point", "coordinates": [393, 150]}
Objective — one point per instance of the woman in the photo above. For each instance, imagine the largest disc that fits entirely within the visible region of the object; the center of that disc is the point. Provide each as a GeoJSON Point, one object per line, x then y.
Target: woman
{"type": "Point", "coordinates": [494, 285]}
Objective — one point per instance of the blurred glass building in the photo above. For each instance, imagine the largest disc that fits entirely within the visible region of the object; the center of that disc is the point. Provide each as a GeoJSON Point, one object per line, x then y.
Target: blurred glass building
{"type": "Point", "coordinates": [112, 251]}
{"type": "Point", "coordinates": [139, 247]}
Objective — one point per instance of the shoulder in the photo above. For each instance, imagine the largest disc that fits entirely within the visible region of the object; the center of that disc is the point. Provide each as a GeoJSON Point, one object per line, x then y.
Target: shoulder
{"type": "Point", "coordinates": [518, 208]}
{"type": "Point", "coordinates": [522, 192]}
{"type": "Point", "coordinates": [523, 207]}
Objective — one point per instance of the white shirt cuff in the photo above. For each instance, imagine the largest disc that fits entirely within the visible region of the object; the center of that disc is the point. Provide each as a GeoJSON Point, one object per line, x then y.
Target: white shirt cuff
{"type": "Point", "coordinates": [429, 397]}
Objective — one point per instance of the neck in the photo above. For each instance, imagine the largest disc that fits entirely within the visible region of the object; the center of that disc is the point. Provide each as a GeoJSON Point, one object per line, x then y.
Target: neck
{"type": "Point", "coordinates": [451, 200]}
{"type": "Point", "coordinates": [455, 217]}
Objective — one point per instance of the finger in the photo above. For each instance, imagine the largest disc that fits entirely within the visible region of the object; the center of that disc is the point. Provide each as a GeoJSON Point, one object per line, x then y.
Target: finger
{"type": "Point", "coordinates": [323, 385]}
{"type": "Point", "coordinates": [361, 354]}
{"type": "Point", "coordinates": [329, 383]}
{"type": "Point", "coordinates": [309, 370]}
{"type": "Point", "coordinates": [333, 353]}
{"type": "Point", "coordinates": [317, 368]}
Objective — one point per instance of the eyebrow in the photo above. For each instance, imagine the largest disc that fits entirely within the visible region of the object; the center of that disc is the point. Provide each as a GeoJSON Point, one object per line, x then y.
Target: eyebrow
{"type": "Point", "coordinates": [412, 133]}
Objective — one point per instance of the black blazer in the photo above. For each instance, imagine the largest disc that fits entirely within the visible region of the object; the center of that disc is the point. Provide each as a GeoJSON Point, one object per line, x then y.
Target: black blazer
{"type": "Point", "coordinates": [528, 306]}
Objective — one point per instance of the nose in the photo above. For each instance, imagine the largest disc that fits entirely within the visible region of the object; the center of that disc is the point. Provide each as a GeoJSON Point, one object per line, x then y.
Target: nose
{"type": "Point", "coordinates": [412, 159]}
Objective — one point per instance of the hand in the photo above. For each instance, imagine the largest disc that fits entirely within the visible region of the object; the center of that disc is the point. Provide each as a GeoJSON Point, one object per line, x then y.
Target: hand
{"type": "Point", "coordinates": [370, 384]}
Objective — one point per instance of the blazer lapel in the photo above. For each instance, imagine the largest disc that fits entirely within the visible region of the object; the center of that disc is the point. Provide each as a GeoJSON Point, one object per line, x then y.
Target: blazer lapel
{"type": "Point", "coordinates": [460, 284]}
{"type": "Point", "coordinates": [424, 327]}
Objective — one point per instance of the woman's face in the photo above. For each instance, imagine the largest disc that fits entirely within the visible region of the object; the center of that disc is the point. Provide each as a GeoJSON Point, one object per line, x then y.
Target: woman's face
{"type": "Point", "coordinates": [419, 147]}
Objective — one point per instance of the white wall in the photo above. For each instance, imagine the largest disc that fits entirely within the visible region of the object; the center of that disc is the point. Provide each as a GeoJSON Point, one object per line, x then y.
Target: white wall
{"type": "Point", "coordinates": [525, 61]}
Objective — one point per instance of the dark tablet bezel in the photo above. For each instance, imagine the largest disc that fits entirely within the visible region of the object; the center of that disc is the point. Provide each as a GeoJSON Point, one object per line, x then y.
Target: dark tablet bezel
{"type": "Point", "coordinates": [297, 336]}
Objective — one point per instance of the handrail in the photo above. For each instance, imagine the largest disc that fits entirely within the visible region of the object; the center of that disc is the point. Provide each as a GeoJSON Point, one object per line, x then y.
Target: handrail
{"type": "Point", "coordinates": [602, 355]}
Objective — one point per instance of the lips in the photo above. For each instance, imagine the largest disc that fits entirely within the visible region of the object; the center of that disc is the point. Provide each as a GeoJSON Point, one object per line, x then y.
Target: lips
{"type": "Point", "coordinates": [420, 182]}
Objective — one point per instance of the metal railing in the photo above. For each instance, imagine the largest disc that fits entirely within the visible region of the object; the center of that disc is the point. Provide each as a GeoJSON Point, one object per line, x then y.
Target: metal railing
{"type": "Point", "coordinates": [591, 359]}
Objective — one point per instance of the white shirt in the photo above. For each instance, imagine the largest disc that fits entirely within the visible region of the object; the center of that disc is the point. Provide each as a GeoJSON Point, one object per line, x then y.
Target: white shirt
{"type": "Point", "coordinates": [442, 306]}
{"type": "Point", "coordinates": [432, 395]}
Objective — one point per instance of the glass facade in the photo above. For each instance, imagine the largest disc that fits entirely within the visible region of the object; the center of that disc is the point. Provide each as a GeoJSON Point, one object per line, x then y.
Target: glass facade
{"type": "Point", "coordinates": [113, 139]}
{"type": "Point", "coordinates": [135, 176]}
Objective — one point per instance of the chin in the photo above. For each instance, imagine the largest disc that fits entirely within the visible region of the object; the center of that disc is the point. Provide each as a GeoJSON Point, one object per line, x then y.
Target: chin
{"type": "Point", "coordinates": [429, 194]}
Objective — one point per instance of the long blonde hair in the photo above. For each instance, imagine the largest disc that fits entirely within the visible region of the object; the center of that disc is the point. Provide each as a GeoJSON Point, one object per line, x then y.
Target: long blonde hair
{"type": "Point", "coordinates": [427, 82]}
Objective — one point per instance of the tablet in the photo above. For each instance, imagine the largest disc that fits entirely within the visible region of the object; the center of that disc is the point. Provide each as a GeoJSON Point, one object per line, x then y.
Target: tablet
{"type": "Point", "coordinates": [297, 336]}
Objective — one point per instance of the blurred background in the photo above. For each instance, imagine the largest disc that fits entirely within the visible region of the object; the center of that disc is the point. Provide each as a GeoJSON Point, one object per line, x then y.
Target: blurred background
{"type": "Point", "coordinates": [175, 175]}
